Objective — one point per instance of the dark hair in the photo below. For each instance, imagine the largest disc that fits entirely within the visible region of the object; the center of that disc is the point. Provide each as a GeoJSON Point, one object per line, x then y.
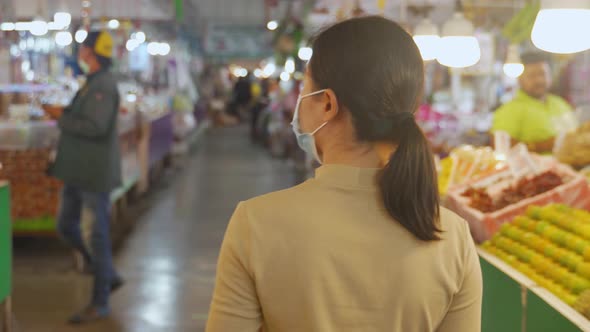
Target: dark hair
{"type": "Point", "coordinates": [105, 63]}
{"type": "Point", "coordinates": [375, 69]}
{"type": "Point", "coordinates": [531, 57]}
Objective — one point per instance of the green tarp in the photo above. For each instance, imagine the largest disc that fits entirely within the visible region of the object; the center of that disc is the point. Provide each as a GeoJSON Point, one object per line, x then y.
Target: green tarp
{"type": "Point", "coordinates": [5, 243]}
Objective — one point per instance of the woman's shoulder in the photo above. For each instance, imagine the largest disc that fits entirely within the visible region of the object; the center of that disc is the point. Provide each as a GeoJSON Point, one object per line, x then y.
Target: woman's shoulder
{"type": "Point", "coordinates": [453, 226]}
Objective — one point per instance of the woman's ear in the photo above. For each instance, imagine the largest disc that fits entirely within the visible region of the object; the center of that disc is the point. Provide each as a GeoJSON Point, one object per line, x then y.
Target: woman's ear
{"type": "Point", "coordinates": [331, 107]}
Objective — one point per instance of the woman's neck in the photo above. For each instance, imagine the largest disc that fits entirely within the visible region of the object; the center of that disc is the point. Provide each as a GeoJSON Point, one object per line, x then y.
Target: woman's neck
{"type": "Point", "coordinates": [361, 155]}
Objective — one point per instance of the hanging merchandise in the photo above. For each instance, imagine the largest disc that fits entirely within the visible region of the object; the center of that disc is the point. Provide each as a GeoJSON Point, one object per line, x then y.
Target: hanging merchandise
{"type": "Point", "coordinates": [459, 47]}
{"type": "Point", "coordinates": [427, 39]}
{"type": "Point", "coordinates": [519, 28]}
{"type": "Point", "coordinates": [513, 66]}
{"type": "Point", "coordinates": [560, 26]}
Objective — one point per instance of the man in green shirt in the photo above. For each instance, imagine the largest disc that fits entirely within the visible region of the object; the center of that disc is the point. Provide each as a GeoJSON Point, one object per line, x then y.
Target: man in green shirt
{"type": "Point", "coordinates": [534, 115]}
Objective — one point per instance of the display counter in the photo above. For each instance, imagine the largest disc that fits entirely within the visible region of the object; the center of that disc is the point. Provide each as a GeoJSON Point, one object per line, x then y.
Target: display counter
{"type": "Point", "coordinates": [513, 302]}
{"type": "Point", "coordinates": [25, 152]}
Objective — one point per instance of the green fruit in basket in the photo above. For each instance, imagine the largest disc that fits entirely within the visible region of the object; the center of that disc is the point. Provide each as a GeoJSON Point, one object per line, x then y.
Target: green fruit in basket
{"type": "Point", "coordinates": [574, 261]}
{"type": "Point", "coordinates": [541, 226]}
{"type": "Point", "coordinates": [583, 269]}
{"type": "Point", "coordinates": [506, 229]}
{"type": "Point", "coordinates": [557, 273]}
{"type": "Point", "coordinates": [579, 285]}
{"type": "Point", "coordinates": [578, 244]}
{"type": "Point", "coordinates": [561, 207]}
{"type": "Point", "coordinates": [586, 253]}
{"type": "Point", "coordinates": [543, 266]}
{"type": "Point", "coordinates": [512, 260]}
{"type": "Point", "coordinates": [534, 212]}
{"type": "Point", "coordinates": [550, 250]}
{"type": "Point", "coordinates": [569, 298]}
{"type": "Point", "coordinates": [521, 221]}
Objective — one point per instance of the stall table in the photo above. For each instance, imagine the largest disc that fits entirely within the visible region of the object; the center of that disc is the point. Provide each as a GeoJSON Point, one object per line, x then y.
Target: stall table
{"type": "Point", "coordinates": [512, 302]}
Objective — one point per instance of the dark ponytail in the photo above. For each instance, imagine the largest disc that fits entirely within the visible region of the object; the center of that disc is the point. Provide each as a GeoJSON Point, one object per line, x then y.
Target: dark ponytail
{"type": "Point", "coordinates": [409, 184]}
{"type": "Point", "coordinates": [376, 71]}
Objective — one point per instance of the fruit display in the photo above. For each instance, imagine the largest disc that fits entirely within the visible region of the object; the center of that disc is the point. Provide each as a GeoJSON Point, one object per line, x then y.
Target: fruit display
{"type": "Point", "coordinates": [444, 175]}
{"type": "Point", "coordinates": [574, 148]}
{"type": "Point", "coordinates": [465, 164]}
{"type": "Point", "coordinates": [34, 194]}
{"type": "Point", "coordinates": [550, 245]}
{"type": "Point", "coordinates": [525, 187]}
{"type": "Point", "coordinates": [488, 203]}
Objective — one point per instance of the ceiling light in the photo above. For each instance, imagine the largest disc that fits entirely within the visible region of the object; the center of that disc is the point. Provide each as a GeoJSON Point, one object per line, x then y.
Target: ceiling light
{"type": "Point", "coordinates": [80, 36]}
{"type": "Point", "coordinates": [258, 72]}
{"type": "Point", "coordinates": [285, 77]}
{"type": "Point", "coordinates": [458, 46]}
{"type": "Point", "coordinates": [272, 25]}
{"type": "Point", "coordinates": [560, 26]}
{"type": "Point", "coordinates": [7, 26]}
{"type": "Point", "coordinates": [305, 53]}
{"type": "Point", "coordinates": [62, 19]}
{"type": "Point", "coordinates": [38, 27]}
{"type": "Point", "coordinates": [427, 39]}
{"type": "Point", "coordinates": [163, 49]}
{"type": "Point", "coordinates": [131, 45]}
{"type": "Point", "coordinates": [140, 36]}
{"type": "Point", "coordinates": [63, 38]}
{"type": "Point", "coordinates": [513, 66]}
{"type": "Point", "coordinates": [290, 65]}
{"type": "Point", "coordinates": [153, 48]}
{"type": "Point", "coordinates": [269, 69]}
{"type": "Point", "coordinates": [114, 24]}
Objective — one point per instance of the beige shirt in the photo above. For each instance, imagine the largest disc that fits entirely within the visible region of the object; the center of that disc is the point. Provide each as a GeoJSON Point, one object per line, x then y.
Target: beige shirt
{"type": "Point", "coordinates": [325, 256]}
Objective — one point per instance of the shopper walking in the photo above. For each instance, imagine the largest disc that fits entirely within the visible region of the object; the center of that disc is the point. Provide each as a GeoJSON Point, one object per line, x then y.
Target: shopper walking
{"type": "Point", "coordinates": [364, 246]}
{"type": "Point", "coordinates": [88, 162]}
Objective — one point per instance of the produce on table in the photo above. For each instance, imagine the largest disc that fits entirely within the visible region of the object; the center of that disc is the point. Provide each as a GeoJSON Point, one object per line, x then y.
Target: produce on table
{"type": "Point", "coordinates": [444, 175]}
{"type": "Point", "coordinates": [574, 148]}
{"type": "Point", "coordinates": [550, 245]}
{"type": "Point", "coordinates": [33, 193]}
{"type": "Point", "coordinates": [466, 163]}
{"type": "Point", "coordinates": [526, 187]}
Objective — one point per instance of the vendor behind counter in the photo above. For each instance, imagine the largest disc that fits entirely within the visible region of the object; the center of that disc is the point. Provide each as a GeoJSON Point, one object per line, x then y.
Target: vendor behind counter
{"type": "Point", "coordinates": [534, 116]}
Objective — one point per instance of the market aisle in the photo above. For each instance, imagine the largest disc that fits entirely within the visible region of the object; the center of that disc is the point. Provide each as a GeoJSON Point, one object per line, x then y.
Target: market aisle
{"type": "Point", "coordinates": [169, 259]}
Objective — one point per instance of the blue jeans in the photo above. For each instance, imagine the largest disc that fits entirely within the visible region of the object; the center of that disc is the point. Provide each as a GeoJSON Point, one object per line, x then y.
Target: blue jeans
{"type": "Point", "coordinates": [101, 259]}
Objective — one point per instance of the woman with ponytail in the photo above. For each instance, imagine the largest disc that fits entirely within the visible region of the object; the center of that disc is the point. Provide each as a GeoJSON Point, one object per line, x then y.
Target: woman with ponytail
{"type": "Point", "coordinates": [364, 246]}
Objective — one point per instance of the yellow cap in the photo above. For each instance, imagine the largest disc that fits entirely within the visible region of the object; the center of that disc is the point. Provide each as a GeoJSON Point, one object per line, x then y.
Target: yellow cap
{"type": "Point", "coordinates": [104, 45]}
{"type": "Point", "coordinates": [101, 43]}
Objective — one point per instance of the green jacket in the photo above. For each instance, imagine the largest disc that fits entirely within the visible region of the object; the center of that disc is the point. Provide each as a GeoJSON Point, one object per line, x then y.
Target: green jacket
{"type": "Point", "coordinates": [88, 155]}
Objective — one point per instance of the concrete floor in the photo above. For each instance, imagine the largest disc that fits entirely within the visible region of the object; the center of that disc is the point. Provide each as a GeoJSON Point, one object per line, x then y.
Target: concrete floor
{"type": "Point", "coordinates": [169, 258]}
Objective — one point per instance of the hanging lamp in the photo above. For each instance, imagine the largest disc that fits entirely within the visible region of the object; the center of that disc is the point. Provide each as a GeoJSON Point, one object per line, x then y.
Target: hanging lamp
{"type": "Point", "coordinates": [513, 66]}
{"type": "Point", "coordinates": [458, 46]}
{"type": "Point", "coordinates": [562, 26]}
{"type": "Point", "coordinates": [426, 37]}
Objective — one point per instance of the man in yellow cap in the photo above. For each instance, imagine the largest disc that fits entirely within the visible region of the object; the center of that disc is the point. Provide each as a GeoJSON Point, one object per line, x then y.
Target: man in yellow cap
{"type": "Point", "coordinates": [534, 115]}
{"type": "Point", "coordinates": [88, 161]}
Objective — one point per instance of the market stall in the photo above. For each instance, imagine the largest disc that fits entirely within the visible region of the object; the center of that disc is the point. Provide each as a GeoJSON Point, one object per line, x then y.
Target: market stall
{"type": "Point", "coordinates": [513, 302]}
{"type": "Point", "coordinates": [28, 138]}
{"type": "Point", "coordinates": [546, 251]}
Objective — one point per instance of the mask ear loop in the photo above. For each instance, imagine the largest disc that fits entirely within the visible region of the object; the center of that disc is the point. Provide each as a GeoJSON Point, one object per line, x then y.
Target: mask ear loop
{"type": "Point", "coordinates": [320, 127]}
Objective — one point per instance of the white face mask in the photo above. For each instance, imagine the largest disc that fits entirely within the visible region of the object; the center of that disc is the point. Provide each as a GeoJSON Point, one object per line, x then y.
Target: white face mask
{"type": "Point", "coordinates": [306, 141]}
{"type": "Point", "coordinates": [84, 66]}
